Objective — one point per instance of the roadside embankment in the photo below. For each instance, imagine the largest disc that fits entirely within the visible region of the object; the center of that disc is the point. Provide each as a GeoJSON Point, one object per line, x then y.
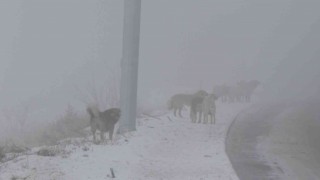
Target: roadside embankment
{"type": "Point", "coordinates": [276, 141]}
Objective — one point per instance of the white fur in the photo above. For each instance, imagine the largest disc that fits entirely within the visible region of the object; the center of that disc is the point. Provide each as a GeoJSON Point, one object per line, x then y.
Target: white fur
{"type": "Point", "coordinates": [209, 108]}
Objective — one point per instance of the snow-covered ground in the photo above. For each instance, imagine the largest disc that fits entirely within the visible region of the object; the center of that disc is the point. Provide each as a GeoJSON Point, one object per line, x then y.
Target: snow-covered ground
{"type": "Point", "coordinates": [163, 147]}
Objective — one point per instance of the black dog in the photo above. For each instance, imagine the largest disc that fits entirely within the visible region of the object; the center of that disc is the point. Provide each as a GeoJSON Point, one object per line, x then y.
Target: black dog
{"type": "Point", "coordinates": [103, 121]}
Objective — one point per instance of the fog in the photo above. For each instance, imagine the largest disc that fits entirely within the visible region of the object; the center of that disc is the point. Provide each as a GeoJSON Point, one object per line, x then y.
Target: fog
{"type": "Point", "coordinates": [51, 52]}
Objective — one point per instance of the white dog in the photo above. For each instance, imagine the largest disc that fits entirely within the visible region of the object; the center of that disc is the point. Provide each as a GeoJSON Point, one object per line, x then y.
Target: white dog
{"type": "Point", "coordinates": [209, 108]}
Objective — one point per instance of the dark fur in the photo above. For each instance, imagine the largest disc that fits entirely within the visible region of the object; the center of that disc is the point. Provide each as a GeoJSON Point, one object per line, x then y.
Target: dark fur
{"type": "Point", "coordinates": [103, 121]}
{"type": "Point", "coordinates": [178, 101]}
{"type": "Point", "coordinates": [196, 107]}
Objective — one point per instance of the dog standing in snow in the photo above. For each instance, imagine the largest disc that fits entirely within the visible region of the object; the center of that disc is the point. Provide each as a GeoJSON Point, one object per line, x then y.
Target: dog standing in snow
{"type": "Point", "coordinates": [209, 108]}
{"type": "Point", "coordinates": [196, 107]}
{"type": "Point", "coordinates": [178, 101]}
{"type": "Point", "coordinates": [103, 121]}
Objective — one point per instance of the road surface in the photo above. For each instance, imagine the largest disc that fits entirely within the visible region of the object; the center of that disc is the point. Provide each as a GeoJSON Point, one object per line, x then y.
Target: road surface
{"type": "Point", "coordinates": [276, 141]}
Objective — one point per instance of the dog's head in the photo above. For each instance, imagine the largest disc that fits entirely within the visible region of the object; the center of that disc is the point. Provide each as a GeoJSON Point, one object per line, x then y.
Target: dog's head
{"type": "Point", "coordinates": [202, 93]}
{"type": "Point", "coordinates": [115, 113]}
{"type": "Point", "coordinates": [215, 97]}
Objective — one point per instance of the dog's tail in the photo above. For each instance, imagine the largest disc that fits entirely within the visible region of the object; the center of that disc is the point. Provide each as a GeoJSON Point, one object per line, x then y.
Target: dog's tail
{"type": "Point", "coordinates": [93, 111]}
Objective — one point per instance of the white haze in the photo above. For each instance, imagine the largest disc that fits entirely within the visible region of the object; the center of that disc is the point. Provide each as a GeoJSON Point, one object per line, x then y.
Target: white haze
{"type": "Point", "coordinates": [50, 50]}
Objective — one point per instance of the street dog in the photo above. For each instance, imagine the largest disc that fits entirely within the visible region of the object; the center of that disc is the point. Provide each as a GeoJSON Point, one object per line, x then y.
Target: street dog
{"type": "Point", "coordinates": [103, 121]}
{"type": "Point", "coordinates": [196, 107]}
{"type": "Point", "coordinates": [178, 101]}
{"type": "Point", "coordinates": [209, 108]}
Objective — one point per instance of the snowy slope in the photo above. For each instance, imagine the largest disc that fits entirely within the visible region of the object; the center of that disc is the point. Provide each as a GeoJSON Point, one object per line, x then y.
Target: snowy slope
{"type": "Point", "coordinates": [163, 147]}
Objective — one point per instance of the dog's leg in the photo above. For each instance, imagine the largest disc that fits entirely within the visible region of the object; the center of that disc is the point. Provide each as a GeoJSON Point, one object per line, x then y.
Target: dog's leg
{"type": "Point", "coordinates": [200, 117]}
{"type": "Point", "coordinates": [175, 112]}
{"type": "Point", "coordinates": [180, 109]}
{"type": "Point", "coordinates": [205, 116]}
{"type": "Point", "coordinates": [111, 132]}
{"type": "Point", "coordinates": [191, 116]}
{"type": "Point", "coordinates": [102, 137]}
{"type": "Point", "coordinates": [93, 130]}
{"type": "Point", "coordinates": [214, 118]}
{"type": "Point", "coordinates": [94, 136]}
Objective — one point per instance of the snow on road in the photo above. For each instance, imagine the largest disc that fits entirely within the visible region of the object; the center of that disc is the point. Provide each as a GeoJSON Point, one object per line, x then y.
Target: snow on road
{"type": "Point", "coordinates": [163, 147]}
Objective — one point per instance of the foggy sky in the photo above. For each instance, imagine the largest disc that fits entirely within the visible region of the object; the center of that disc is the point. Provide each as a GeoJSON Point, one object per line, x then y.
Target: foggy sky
{"type": "Point", "coordinates": [48, 47]}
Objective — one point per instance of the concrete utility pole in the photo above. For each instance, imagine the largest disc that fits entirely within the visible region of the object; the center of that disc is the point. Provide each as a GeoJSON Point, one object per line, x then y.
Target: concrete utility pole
{"type": "Point", "coordinates": [129, 65]}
